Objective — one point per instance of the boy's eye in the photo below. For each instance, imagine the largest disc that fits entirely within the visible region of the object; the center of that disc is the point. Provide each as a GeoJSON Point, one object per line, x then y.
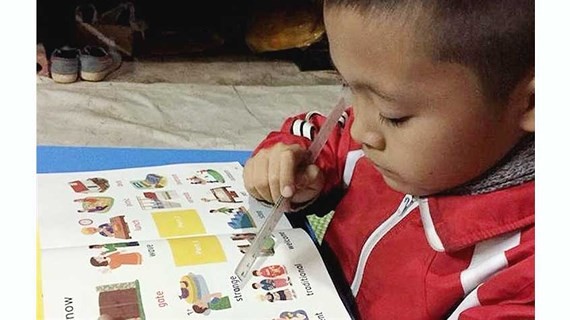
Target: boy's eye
{"type": "Point", "coordinates": [395, 122]}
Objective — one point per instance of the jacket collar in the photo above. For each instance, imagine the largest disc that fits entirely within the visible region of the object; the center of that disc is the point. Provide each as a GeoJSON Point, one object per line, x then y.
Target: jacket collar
{"type": "Point", "coordinates": [454, 222]}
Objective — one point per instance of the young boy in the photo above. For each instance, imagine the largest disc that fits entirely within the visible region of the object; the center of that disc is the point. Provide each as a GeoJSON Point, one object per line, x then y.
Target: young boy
{"type": "Point", "coordinates": [431, 171]}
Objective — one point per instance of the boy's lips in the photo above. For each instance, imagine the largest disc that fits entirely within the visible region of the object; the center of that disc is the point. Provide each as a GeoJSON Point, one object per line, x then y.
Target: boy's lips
{"type": "Point", "coordinates": [385, 171]}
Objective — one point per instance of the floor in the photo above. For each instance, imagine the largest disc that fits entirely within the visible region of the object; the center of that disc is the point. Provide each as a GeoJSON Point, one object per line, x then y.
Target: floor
{"type": "Point", "coordinates": [230, 70]}
{"type": "Point", "coordinates": [224, 104]}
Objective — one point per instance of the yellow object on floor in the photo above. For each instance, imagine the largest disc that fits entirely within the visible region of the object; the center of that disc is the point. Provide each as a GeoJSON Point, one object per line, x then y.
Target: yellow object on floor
{"type": "Point", "coordinates": [281, 25]}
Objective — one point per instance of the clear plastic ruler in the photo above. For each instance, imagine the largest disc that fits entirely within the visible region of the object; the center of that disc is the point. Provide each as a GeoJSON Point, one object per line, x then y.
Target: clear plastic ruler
{"type": "Point", "coordinates": [282, 205]}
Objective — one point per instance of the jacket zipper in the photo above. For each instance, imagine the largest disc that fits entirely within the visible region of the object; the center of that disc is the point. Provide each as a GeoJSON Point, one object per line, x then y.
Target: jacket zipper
{"type": "Point", "coordinates": [408, 204]}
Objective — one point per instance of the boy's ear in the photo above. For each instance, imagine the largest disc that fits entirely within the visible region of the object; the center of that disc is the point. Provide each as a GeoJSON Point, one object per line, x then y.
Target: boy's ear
{"type": "Point", "coordinates": [527, 117]}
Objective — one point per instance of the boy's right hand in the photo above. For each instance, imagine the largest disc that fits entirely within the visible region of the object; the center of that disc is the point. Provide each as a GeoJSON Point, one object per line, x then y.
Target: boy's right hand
{"type": "Point", "coordinates": [275, 171]}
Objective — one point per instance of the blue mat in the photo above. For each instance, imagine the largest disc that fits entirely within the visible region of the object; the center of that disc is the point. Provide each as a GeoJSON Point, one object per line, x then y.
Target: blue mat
{"type": "Point", "coordinates": [70, 159]}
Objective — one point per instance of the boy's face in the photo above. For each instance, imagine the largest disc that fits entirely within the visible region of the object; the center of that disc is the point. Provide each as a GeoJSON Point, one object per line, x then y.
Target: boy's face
{"type": "Point", "coordinates": [424, 124]}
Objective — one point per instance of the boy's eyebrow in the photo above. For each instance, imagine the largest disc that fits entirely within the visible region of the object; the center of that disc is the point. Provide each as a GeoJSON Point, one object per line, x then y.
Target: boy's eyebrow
{"type": "Point", "coordinates": [370, 87]}
{"type": "Point", "coordinates": [364, 85]}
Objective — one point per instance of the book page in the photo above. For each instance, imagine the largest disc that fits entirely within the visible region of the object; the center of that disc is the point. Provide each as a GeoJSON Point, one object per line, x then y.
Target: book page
{"type": "Point", "coordinates": [150, 203]}
{"type": "Point", "coordinates": [189, 278]}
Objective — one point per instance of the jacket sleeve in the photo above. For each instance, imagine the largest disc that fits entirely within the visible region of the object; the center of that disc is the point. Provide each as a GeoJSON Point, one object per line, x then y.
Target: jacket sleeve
{"type": "Point", "coordinates": [302, 129]}
{"type": "Point", "coordinates": [509, 294]}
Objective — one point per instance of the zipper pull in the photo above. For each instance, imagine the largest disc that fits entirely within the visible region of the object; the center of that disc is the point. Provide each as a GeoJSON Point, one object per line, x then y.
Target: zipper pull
{"type": "Point", "coordinates": [406, 203]}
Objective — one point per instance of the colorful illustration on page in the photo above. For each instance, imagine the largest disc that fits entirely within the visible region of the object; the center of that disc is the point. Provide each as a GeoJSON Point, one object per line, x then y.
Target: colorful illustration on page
{"type": "Point", "coordinates": [241, 219]}
{"type": "Point", "coordinates": [272, 283]}
{"type": "Point", "coordinates": [279, 295]}
{"type": "Point", "coordinates": [95, 204]}
{"type": "Point", "coordinates": [206, 176]}
{"type": "Point", "coordinates": [117, 227]}
{"type": "Point", "coordinates": [293, 315]}
{"type": "Point", "coordinates": [90, 185]}
{"type": "Point", "coordinates": [274, 277]}
{"type": "Point", "coordinates": [194, 290]}
{"type": "Point", "coordinates": [271, 271]}
{"type": "Point", "coordinates": [112, 247]}
{"type": "Point", "coordinates": [152, 181]}
{"type": "Point", "coordinates": [115, 255]}
{"type": "Point", "coordinates": [120, 301]}
{"type": "Point", "coordinates": [158, 200]}
{"type": "Point", "coordinates": [224, 194]}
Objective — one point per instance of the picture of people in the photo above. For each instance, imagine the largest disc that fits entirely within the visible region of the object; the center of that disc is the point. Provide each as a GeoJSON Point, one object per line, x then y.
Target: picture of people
{"type": "Point", "coordinates": [213, 301]}
{"type": "Point", "coordinates": [272, 271]}
{"type": "Point", "coordinates": [104, 229]}
{"type": "Point", "coordinates": [112, 247]}
{"type": "Point", "coordinates": [90, 185]}
{"type": "Point", "coordinates": [293, 315]}
{"type": "Point", "coordinates": [95, 204]}
{"type": "Point", "coordinates": [152, 181]}
{"type": "Point", "coordinates": [280, 295]}
{"type": "Point", "coordinates": [194, 290]}
{"type": "Point", "coordinates": [273, 283]}
{"type": "Point", "coordinates": [117, 227]}
{"type": "Point", "coordinates": [116, 259]}
{"type": "Point", "coordinates": [206, 176]}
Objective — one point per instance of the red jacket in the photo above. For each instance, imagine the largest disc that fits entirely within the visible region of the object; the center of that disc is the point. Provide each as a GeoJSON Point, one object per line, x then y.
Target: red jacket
{"type": "Point", "coordinates": [456, 257]}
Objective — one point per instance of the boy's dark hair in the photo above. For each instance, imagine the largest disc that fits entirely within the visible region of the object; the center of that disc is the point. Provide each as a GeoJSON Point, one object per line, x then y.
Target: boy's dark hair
{"type": "Point", "coordinates": [494, 38]}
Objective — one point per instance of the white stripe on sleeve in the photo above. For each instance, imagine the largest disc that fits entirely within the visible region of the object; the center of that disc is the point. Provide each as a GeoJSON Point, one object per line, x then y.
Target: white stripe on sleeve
{"type": "Point", "coordinates": [488, 258]}
{"type": "Point", "coordinates": [296, 127]}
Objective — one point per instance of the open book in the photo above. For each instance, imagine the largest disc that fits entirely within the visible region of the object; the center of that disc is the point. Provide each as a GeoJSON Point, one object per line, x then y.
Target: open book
{"type": "Point", "coordinates": [163, 242]}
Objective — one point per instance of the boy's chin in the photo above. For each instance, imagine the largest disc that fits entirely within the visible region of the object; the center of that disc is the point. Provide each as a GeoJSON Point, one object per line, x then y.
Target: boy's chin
{"type": "Point", "coordinates": [406, 188]}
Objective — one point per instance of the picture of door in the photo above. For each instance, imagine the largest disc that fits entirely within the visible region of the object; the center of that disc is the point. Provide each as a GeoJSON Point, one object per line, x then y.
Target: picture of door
{"type": "Point", "coordinates": [121, 301]}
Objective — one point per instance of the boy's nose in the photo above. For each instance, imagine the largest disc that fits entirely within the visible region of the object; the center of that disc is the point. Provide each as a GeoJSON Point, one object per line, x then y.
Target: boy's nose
{"type": "Point", "coordinates": [366, 132]}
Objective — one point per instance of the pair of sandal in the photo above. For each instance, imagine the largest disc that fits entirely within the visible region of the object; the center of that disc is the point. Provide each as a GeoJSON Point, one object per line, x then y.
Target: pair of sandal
{"type": "Point", "coordinates": [91, 63]}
